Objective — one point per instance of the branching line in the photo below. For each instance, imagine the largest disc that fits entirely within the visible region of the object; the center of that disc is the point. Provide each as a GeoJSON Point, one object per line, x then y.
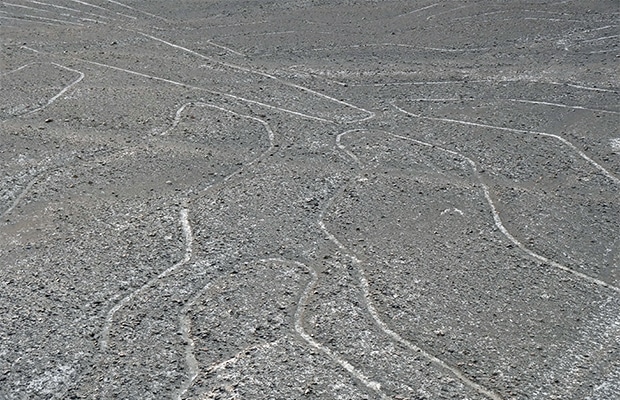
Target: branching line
{"type": "Point", "coordinates": [501, 128]}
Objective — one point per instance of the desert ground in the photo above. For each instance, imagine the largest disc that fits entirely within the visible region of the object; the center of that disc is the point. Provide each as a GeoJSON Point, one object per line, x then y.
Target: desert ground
{"type": "Point", "coordinates": [281, 199]}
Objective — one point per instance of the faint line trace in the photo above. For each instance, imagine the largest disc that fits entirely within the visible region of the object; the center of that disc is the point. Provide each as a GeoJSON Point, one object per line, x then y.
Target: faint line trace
{"type": "Point", "coordinates": [187, 233]}
{"type": "Point", "coordinates": [560, 138]}
{"type": "Point", "coordinates": [266, 75]}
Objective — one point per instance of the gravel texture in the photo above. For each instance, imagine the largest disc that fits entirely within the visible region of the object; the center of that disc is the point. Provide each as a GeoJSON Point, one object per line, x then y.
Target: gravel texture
{"type": "Point", "coordinates": [282, 199]}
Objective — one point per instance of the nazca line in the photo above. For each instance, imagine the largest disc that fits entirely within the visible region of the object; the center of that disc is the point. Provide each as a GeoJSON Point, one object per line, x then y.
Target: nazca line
{"type": "Point", "coordinates": [266, 75]}
{"type": "Point", "coordinates": [103, 8]}
{"type": "Point", "coordinates": [69, 9]}
{"type": "Point", "coordinates": [177, 119]}
{"type": "Point", "coordinates": [185, 85]}
{"type": "Point", "coordinates": [30, 184]}
{"type": "Point", "coordinates": [545, 103]}
{"type": "Point", "coordinates": [190, 359]}
{"type": "Point", "coordinates": [193, 365]}
{"type": "Point", "coordinates": [63, 91]}
{"type": "Point", "coordinates": [187, 233]}
{"type": "Point", "coordinates": [61, 21]}
{"type": "Point", "coordinates": [497, 220]}
{"type": "Point", "coordinates": [377, 318]}
{"type": "Point", "coordinates": [501, 128]}
{"type": "Point", "coordinates": [184, 320]}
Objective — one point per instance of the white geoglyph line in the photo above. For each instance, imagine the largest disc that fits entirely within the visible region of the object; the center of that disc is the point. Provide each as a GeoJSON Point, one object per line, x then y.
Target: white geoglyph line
{"type": "Point", "coordinates": [68, 9]}
{"type": "Point", "coordinates": [136, 10]}
{"type": "Point", "coordinates": [384, 327]}
{"type": "Point", "coordinates": [603, 51]}
{"type": "Point", "coordinates": [409, 46]}
{"type": "Point", "coordinates": [185, 85]}
{"type": "Point", "coordinates": [19, 68]}
{"type": "Point", "coordinates": [185, 326]}
{"type": "Point", "coordinates": [417, 10]}
{"type": "Point", "coordinates": [26, 7]}
{"type": "Point", "coordinates": [228, 49]}
{"type": "Point", "coordinates": [600, 38]}
{"type": "Point", "coordinates": [266, 75]}
{"type": "Point", "coordinates": [184, 321]}
{"type": "Point", "coordinates": [193, 368]}
{"type": "Point", "coordinates": [498, 221]}
{"type": "Point", "coordinates": [299, 328]}
{"type": "Point", "coordinates": [447, 11]}
{"type": "Point", "coordinates": [343, 148]}
{"type": "Point", "coordinates": [501, 128]}
{"type": "Point", "coordinates": [187, 233]}
{"type": "Point", "coordinates": [103, 8]}
{"type": "Point", "coordinates": [317, 74]}
{"type": "Point", "coordinates": [419, 83]}
{"type": "Point", "coordinates": [25, 17]}
{"type": "Point", "coordinates": [20, 197]}
{"type": "Point", "coordinates": [595, 89]}
{"type": "Point", "coordinates": [29, 48]}
{"type": "Point", "coordinates": [233, 360]}
{"type": "Point", "coordinates": [545, 103]}
{"type": "Point", "coordinates": [179, 112]}
{"type": "Point", "coordinates": [63, 91]}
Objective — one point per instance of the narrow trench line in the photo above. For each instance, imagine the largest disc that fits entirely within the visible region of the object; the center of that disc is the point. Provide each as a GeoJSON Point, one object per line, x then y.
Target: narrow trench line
{"type": "Point", "coordinates": [387, 330]}
{"type": "Point", "coordinates": [187, 233]}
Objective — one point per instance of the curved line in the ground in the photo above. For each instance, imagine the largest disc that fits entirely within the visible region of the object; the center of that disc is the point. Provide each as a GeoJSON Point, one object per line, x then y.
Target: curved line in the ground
{"type": "Point", "coordinates": [63, 91]}
{"type": "Point", "coordinates": [299, 328]}
{"type": "Point", "coordinates": [386, 329]}
{"type": "Point", "coordinates": [369, 113]}
{"type": "Point", "coordinates": [187, 233]}
{"type": "Point", "coordinates": [501, 128]}
{"type": "Point", "coordinates": [498, 221]}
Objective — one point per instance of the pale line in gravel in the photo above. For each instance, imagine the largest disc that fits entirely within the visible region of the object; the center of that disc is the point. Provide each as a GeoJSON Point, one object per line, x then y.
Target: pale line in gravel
{"type": "Point", "coordinates": [20, 196]}
{"type": "Point", "coordinates": [69, 9]}
{"type": "Point", "coordinates": [193, 367]}
{"type": "Point", "coordinates": [63, 91]}
{"type": "Point", "coordinates": [497, 219]}
{"type": "Point", "coordinates": [601, 38]}
{"type": "Point", "coordinates": [318, 75]}
{"type": "Point", "coordinates": [385, 328]}
{"type": "Point", "coordinates": [416, 10]}
{"type": "Point", "coordinates": [598, 29]}
{"type": "Point", "coordinates": [185, 85]}
{"type": "Point", "coordinates": [225, 48]}
{"type": "Point", "coordinates": [603, 51]}
{"type": "Point", "coordinates": [223, 364]}
{"type": "Point", "coordinates": [501, 128]}
{"type": "Point", "coordinates": [299, 328]}
{"type": "Point", "coordinates": [185, 326]}
{"type": "Point", "coordinates": [595, 89]}
{"type": "Point", "coordinates": [447, 11]}
{"type": "Point", "coordinates": [177, 119]}
{"type": "Point", "coordinates": [28, 20]}
{"type": "Point", "coordinates": [573, 85]}
{"type": "Point", "coordinates": [545, 103]}
{"type": "Point", "coordinates": [103, 8]}
{"type": "Point", "coordinates": [26, 7]}
{"type": "Point", "coordinates": [417, 83]}
{"type": "Point", "coordinates": [187, 233]}
{"type": "Point", "coordinates": [498, 223]}
{"type": "Point", "coordinates": [36, 18]}
{"type": "Point", "coordinates": [20, 68]}
{"type": "Point", "coordinates": [343, 148]}
{"type": "Point", "coordinates": [137, 10]}
{"type": "Point", "coordinates": [266, 75]}
{"type": "Point", "coordinates": [29, 48]}
{"type": "Point", "coordinates": [410, 46]}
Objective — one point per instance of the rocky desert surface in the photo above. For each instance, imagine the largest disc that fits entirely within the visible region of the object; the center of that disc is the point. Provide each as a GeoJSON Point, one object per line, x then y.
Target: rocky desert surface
{"type": "Point", "coordinates": [280, 199]}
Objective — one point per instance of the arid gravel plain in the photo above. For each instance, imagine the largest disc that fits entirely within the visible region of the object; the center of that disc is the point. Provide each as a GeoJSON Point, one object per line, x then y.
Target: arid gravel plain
{"type": "Point", "coordinates": [329, 199]}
